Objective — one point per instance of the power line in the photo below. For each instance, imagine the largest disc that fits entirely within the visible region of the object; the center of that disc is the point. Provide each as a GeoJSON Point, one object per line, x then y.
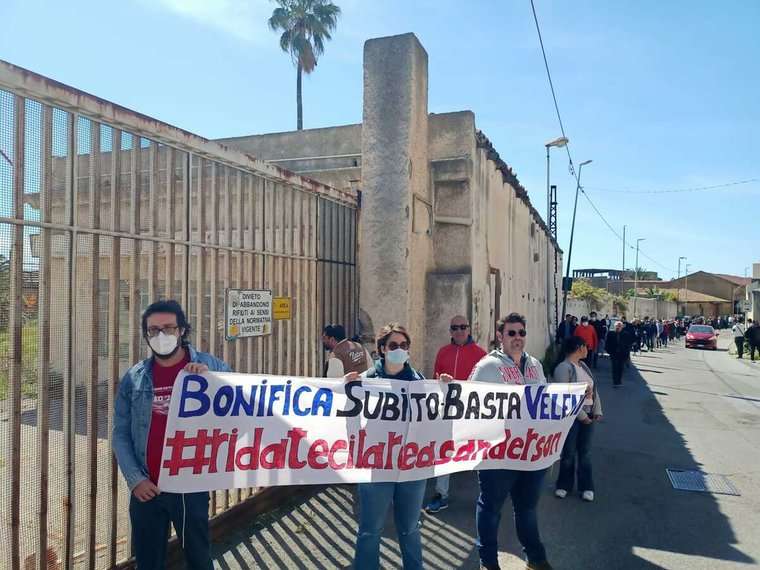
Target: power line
{"type": "Point", "coordinates": [671, 191]}
{"type": "Point", "coordinates": [567, 146]}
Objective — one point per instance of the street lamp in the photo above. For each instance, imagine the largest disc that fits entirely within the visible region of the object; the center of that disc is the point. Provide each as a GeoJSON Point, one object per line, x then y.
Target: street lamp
{"type": "Point", "coordinates": [556, 143]}
{"type": "Point", "coordinates": [572, 233]}
{"type": "Point", "coordinates": [686, 287]}
{"type": "Point", "coordinates": [636, 277]}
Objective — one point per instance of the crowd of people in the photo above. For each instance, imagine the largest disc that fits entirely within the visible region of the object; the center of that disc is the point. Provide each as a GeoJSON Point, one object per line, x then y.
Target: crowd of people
{"type": "Point", "coordinates": [142, 404]}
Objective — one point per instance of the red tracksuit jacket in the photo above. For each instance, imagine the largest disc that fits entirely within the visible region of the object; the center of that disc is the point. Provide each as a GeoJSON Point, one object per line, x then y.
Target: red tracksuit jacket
{"type": "Point", "coordinates": [458, 360]}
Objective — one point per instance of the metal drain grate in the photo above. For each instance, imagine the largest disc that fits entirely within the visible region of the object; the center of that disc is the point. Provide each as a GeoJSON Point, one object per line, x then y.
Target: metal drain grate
{"type": "Point", "coordinates": [702, 482]}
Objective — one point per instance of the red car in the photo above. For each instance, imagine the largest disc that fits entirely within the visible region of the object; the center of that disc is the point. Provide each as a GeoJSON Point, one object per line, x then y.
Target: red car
{"type": "Point", "coordinates": [702, 336]}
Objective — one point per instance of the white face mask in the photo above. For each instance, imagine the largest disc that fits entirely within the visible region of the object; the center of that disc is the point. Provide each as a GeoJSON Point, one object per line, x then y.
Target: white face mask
{"type": "Point", "coordinates": [398, 356]}
{"type": "Point", "coordinates": [584, 323]}
{"type": "Point", "coordinates": [163, 344]}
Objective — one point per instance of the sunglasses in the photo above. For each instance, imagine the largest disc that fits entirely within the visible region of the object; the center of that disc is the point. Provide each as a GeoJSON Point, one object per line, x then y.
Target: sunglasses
{"type": "Point", "coordinates": [459, 327]}
{"type": "Point", "coordinates": [394, 346]}
{"type": "Point", "coordinates": [521, 332]}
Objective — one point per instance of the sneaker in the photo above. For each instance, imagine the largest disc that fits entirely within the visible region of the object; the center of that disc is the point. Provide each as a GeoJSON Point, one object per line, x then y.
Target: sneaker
{"type": "Point", "coordinates": [539, 566]}
{"type": "Point", "coordinates": [560, 493]}
{"type": "Point", "coordinates": [587, 496]}
{"type": "Point", "coordinates": [438, 503]}
{"type": "Point", "coordinates": [484, 566]}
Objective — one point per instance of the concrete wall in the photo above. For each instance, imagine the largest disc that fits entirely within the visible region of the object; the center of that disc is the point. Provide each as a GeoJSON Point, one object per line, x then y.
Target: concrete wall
{"type": "Point", "coordinates": [331, 155]}
{"type": "Point", "coordinates": [644, 308]}
{"type": "Point", "coordinates": [445, 226]}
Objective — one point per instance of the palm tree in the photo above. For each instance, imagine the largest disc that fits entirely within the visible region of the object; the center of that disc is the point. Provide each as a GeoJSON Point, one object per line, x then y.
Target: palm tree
{"type": "Point", "coordinates": [305, 25]}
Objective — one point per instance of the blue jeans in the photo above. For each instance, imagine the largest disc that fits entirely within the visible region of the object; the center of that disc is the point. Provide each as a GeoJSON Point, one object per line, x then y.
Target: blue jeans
{"type": "Point", "coordinates": [374, 501]}
{"type": "Point", "coordinates": [150, 529]}
{"type": "Point", "coordinates": [525, 488]}
{"type": "Point", "coordinates": [578, 443]}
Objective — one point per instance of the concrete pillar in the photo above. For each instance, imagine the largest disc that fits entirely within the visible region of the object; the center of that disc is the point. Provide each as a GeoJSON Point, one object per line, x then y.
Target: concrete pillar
{"type": "Point", "coordinates": [395, 252]}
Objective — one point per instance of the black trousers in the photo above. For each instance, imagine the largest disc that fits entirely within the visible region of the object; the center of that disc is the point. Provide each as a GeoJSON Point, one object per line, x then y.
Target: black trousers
{"type": "Point", "coordinates": [150, 529]}
{"type": "Point", "coordinates": [617, 369]}
{"type": "Point", "coordinates": [739, 340]}
{"type": "Point", "coordinates": [752, 348]}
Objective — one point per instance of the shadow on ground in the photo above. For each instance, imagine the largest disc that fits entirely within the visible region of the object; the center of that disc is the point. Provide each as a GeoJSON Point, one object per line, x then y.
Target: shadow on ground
{"type": "Point", "coordinates": [637, 519]}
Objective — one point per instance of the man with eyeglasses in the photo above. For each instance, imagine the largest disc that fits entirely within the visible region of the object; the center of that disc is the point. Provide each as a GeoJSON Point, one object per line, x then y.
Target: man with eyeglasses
{"type": "Point", "coordinates": [142, 406]}
{"type": "Point", "coordinates": [456, 359]}
{"type": "Point", "coordinates": [510, 364]}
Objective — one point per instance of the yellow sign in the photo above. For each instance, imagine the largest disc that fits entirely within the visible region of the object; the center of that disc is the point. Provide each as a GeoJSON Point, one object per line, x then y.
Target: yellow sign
{"type": "Point", "coordinates": [281, 308]}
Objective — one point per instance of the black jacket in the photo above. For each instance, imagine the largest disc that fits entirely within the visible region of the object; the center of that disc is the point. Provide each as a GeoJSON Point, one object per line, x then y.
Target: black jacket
{"type": "Point", "coordinates": [618, 345]}
{"type": "Point", "coordinates": [753, 334]}
{"type": "Point", "coordinates": [561, 331]}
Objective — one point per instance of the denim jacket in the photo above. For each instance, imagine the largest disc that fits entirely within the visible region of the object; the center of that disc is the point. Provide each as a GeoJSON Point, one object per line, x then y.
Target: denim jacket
{"type": "Point", "coordinates": [134, 409]}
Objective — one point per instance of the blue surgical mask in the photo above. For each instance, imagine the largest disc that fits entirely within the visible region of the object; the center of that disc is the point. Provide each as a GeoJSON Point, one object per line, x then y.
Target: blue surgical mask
{"type": "Point", "coordinates": [398, 356]}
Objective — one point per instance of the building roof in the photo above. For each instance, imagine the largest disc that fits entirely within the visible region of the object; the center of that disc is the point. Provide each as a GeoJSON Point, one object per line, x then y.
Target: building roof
{"type": "Point", "coordinates": [695, 296]}
{"type": "Point", "coordinates": [735, 279]}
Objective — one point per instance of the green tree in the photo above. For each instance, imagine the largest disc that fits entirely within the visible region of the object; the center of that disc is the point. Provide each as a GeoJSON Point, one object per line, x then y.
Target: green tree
{"type": "Point", "coordinates": [594, 296]}
{"type": "Point", "coordinates": [305, 26]}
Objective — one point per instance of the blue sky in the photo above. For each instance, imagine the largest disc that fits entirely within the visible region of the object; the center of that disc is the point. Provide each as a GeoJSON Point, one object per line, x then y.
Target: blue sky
{"type": "Point", "coordinates": [661, 95]}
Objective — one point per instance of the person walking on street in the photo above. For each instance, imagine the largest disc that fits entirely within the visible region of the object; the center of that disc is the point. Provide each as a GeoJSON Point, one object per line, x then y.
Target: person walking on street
{"type": "Point", "coordinates": [512, 365]}
{"type": "Point", "coordinates": [139, 427]}
{"type": "Point", "coordinates": [588, 334]}
{"type": "Point", "coordinates": [739, 331]}
{"type": "Point", "coordinates": [600, 326]}
{"type": "Point", "coordinates": [565, 329]}
{"type": "Point", "coordinates": [578, 442]}
{"type": "Point", "coordinates": [619, 348]}
{"type": "Point", "coordinates": [753, 338]}
{"type": "Point", "coordinates": [345, 355]}
{"type": "Point", "coordinates": [457, 359]}
{"type": "Point", "coordinates": [393, 342]}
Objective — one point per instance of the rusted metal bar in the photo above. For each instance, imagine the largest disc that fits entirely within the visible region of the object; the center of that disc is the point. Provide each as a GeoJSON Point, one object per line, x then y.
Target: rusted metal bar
{"type": "Point", "coordinates": [214, 271]}
{"type": "Point", "coordinates": [153, 172]}
{"type": "Point", "coordinates": [187, 230]}
{"type": "Point", "coordinates": [296, 302]}
{"type": "Point", "coordinates": [15, 346]}
{"type": "Point", "coordinates": [169, 248]}
{"type": "Point", "coordinates": [114, 296]}
{"type": "Point", "coordinates": [279, 220]}
{"type": "Point", "coordinates": [227, 349]}
{"type": "Point", "coordinates": [316, 362]}
{"type": "Point", "coordinates": [69, 387]}
{"type": "Point", "coordinates": [134, 267]}
{"type": "Point", "coordinates": [93, 327]}
{"type": "Point", "coordinates": [43, 338]}
{"type": "Point", "coordinates": [200, 270]}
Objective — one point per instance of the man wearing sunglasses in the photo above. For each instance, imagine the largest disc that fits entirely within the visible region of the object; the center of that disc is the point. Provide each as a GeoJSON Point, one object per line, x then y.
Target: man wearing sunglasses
{"type": "Point", "coordinates": [139, 428]}
{"type": "Point", "coordinates": [457, 359]}
{"type": "Point", "coordinates": [510, 364]}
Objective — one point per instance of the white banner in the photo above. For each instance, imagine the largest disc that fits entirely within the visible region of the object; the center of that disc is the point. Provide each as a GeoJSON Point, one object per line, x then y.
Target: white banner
{"type": "Point", "coordinates": [229, 430]}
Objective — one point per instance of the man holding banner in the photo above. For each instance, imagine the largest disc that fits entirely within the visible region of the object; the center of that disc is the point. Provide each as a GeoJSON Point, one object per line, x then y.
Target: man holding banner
{"type": "Point", "coordinates": [388, 430]}
{"type": "Point", "coordinates": [142, 406]}
{"type": "Point", "coordinates": [510, 364]}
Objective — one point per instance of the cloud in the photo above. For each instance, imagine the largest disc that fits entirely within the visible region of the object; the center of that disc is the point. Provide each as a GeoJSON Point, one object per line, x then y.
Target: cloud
{"type": "Point", "coordinates": [244, 19]}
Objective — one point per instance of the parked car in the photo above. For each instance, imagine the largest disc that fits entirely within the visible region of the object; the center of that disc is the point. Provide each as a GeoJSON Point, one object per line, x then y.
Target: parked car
{"type": "Point", "coordinates": [701, 336]}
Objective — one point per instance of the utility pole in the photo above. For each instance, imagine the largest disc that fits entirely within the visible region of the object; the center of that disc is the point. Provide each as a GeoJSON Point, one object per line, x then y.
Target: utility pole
{"type": "Point", "coordinates": [636, 278]}
{"type": "Point", "coordinates": [622, 276]}
{"type": "Point", "coordinates": [686, 303]}
{"type": "Point", "coordinates": [572, 233]}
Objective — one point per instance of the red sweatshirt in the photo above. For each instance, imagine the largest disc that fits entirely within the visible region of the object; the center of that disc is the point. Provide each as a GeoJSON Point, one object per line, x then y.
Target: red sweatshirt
{"type": "Point", "coordinates": [458, 360]}
{"type": "Point", "coordinates": [588, 334]}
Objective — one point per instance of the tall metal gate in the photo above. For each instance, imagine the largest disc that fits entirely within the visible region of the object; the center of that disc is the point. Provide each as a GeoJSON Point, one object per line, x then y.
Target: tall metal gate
{"type": "Point", "coordinates": [103, 211]}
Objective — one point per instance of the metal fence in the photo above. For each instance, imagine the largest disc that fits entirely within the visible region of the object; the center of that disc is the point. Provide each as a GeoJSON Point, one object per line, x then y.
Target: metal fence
{"type": "Point", "coordinates": [103, 211]}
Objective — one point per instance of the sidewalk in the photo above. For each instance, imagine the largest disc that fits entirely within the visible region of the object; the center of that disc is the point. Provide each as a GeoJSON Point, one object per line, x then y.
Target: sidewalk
{"type": "Point", "coordinates": [637, 521]}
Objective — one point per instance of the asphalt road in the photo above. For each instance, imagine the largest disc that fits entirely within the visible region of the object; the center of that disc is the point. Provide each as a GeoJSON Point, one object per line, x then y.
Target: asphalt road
{"type": "Point", "coordinates": [678, 408]}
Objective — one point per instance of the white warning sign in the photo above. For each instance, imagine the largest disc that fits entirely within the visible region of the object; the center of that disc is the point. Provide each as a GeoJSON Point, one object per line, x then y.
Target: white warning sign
{"type": "Point", "coordinates": [247, 312]}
